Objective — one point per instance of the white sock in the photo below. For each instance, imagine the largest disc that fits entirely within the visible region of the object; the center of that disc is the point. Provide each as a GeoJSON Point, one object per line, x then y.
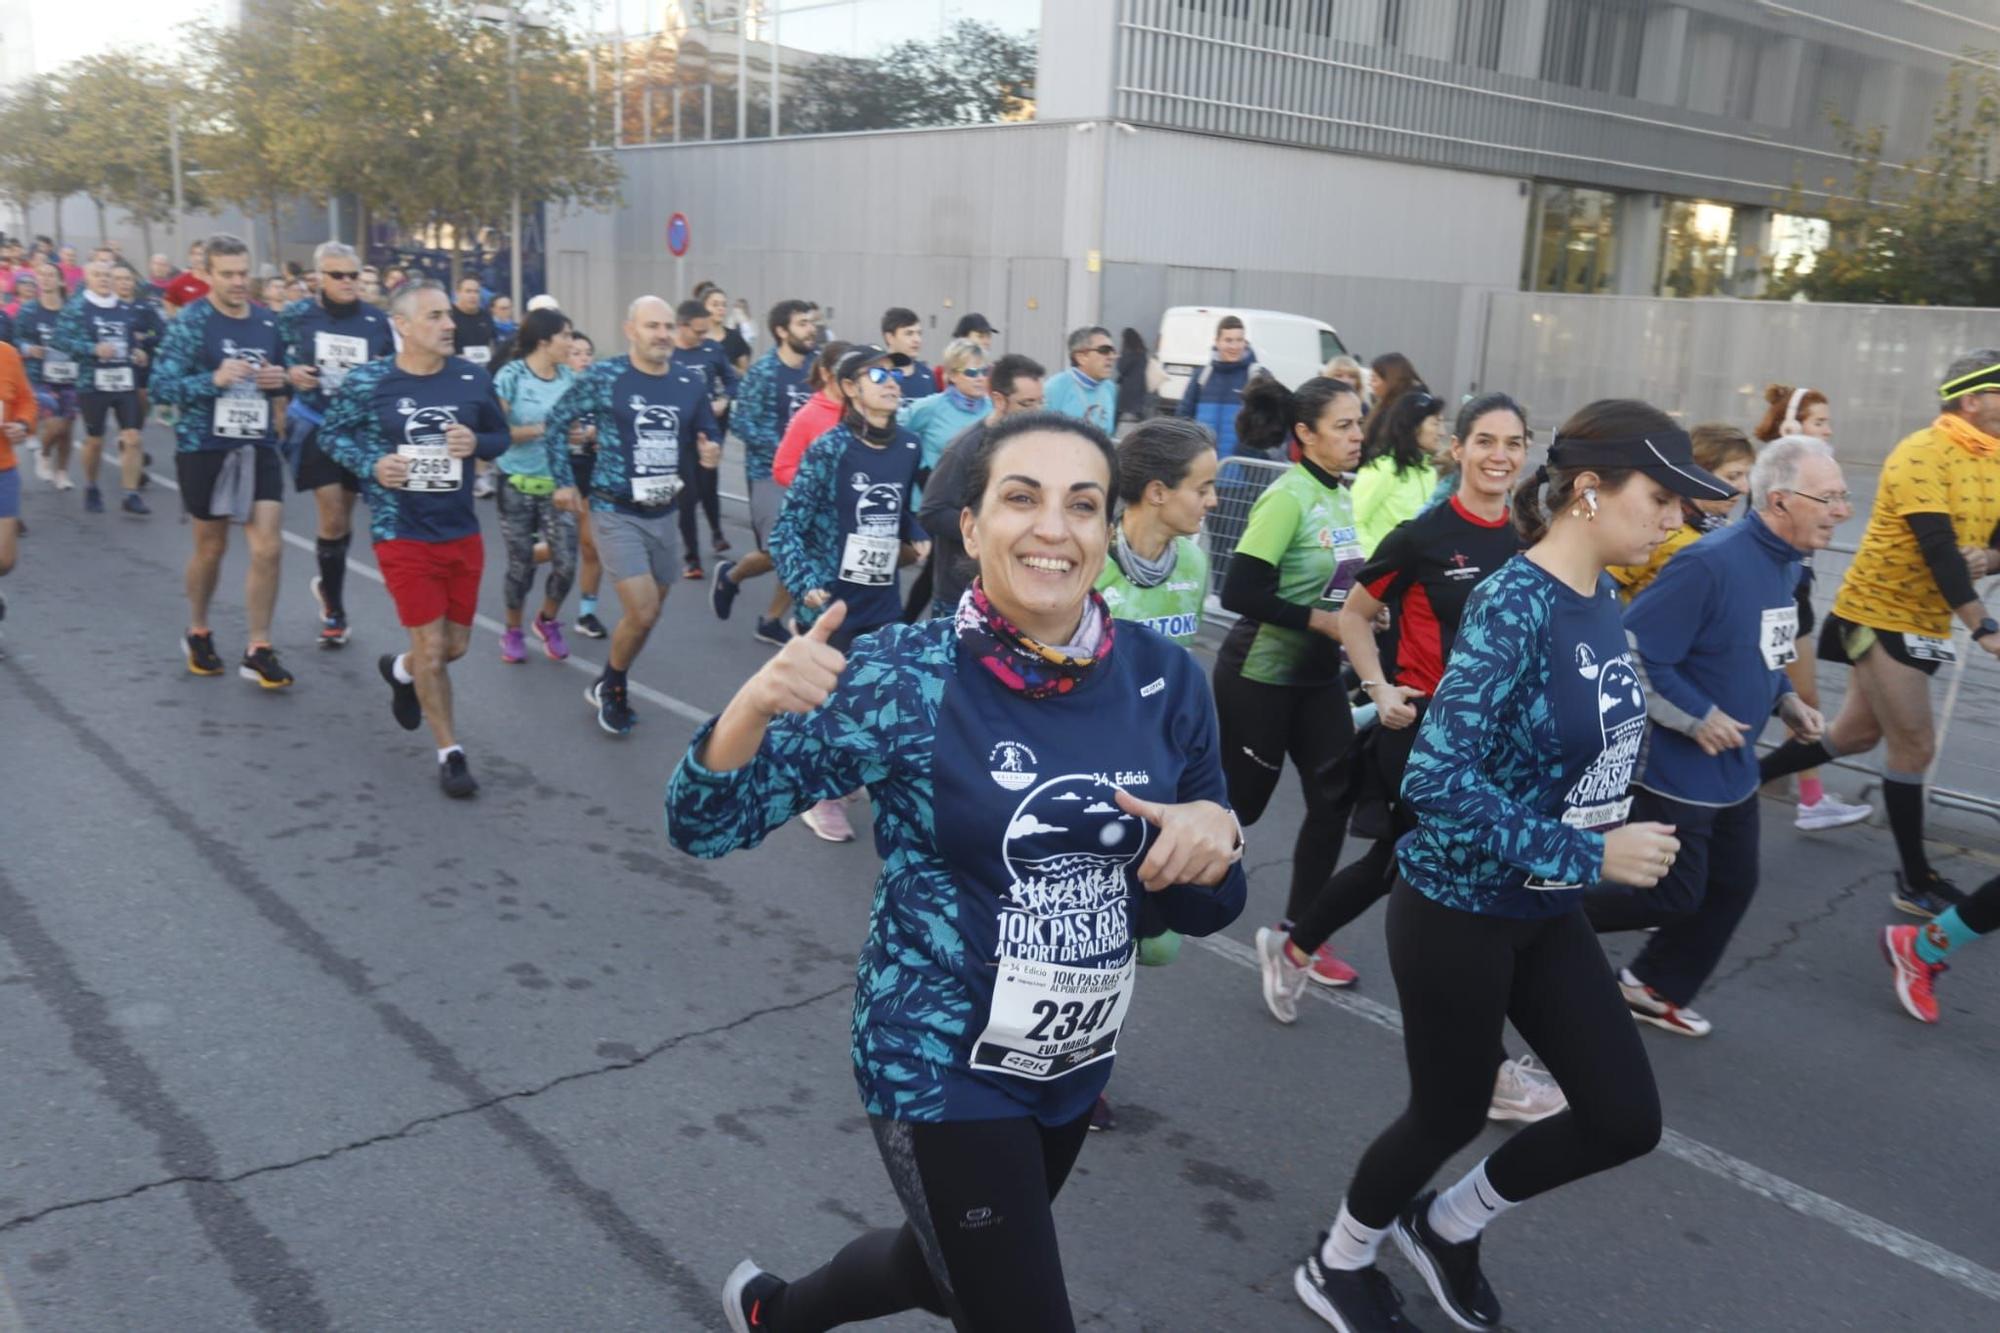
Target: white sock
{"type": "Point", "coordinates": [1462, 1212]}
{"type": "Point", "coordinates": [400, 669]}
{"type": "Point", "coordinates": [448, 751]}
{"type": "Point", "coordinates": [1350, 1245]}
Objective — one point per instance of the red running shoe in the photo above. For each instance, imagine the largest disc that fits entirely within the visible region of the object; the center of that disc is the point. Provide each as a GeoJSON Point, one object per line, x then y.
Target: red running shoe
{"type": "Point", "coordinates": [1914, 977]}
{"type": "Point", "coordinates": [1329, 970]}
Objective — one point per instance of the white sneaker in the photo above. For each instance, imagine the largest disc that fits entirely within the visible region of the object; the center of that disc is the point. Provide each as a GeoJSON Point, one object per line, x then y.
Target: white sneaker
{"type": "Point", "coordinates": [1524, 1091]}
{"type": "Point", "coordinates": [483, 486]}
{"type": "Point", "coordinates": [828, 820]}
{"type": "Point", "coordinates": [63, 483]}
{"type": "Point", "coordinates": [1649, 1006]}
{"type": "Point", "coordinates": [45, 467]}
{"type": "Point", "coordinates": [1828, 813]}
{"type": "Point", "coordinates": [1284, 981]}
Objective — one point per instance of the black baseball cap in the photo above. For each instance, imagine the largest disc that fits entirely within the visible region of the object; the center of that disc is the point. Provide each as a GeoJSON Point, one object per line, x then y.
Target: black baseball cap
{"type": "Point", "coordinates": [1665, 456]}
{"type": "Point", "coordinates": [973, 323]}
{"type": "Point", "coordinates": [857, 359]}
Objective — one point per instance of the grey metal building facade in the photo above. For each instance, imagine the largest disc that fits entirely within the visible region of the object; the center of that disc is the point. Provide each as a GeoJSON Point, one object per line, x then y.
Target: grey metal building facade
{"type": "Point", "coordinates": [1381, 164]}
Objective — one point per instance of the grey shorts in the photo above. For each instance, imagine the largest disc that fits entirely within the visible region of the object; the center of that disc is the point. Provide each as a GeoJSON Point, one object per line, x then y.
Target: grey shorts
{"type": "Point", "coordinates": [632, 547]}
{"type": "Point", "coordinates": [766, 497]}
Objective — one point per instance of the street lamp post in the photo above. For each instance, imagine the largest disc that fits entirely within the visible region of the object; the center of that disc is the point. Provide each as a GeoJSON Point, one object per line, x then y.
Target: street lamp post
{"type": "Point", "coordinates": [514, 18]}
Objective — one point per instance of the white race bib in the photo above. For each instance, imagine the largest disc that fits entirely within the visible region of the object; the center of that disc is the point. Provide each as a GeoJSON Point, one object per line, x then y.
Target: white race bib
{"type": "Point", "coordinates": [1926, 649]}
{"type": "Point", "coordinates": [114, 379]}
{"type": "Point", "coordinates": [656, 490]}
{"type": "Point", "coordinates": [242, 417]}
{"type": "Point", "coordinates": [432, 468]}
{"type": "Point", "coordinates": [58, 369]}
{"type": "Point", "coordinates": [1779, 637]}
{"type": "Point", "coordinates": [869, 561]}
{"type": "Point", "coordinates": [335, 354]}
{"type": "Point", "coordinates": [478, 356]}
{"type": "Point", "coordinates": [1048, 1019]}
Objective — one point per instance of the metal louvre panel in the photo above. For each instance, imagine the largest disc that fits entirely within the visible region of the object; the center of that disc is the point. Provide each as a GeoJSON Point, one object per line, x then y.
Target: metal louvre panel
{"type": "Point", "coordinates": [1404, 78]}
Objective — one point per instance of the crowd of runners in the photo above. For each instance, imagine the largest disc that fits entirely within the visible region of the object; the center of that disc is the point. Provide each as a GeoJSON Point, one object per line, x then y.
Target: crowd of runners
{"type": "Point", "coordinates": [1531, 675]}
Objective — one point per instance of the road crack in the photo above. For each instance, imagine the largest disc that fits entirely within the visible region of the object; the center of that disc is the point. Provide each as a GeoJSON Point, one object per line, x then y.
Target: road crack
{"type": "Point", "coordinates": [1795, 930]}
{"type": "Point", "coordinates": [427, 1121]}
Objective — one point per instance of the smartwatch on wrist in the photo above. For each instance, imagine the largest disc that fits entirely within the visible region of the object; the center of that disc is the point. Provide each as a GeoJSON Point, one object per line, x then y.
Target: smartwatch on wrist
{"type": "Point", "coordinates": [1984, 628]}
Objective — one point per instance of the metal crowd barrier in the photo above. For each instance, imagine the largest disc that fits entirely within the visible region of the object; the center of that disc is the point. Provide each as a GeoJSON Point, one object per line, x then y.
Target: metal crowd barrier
{"type": "Point", "coordinates": [1238, 483]}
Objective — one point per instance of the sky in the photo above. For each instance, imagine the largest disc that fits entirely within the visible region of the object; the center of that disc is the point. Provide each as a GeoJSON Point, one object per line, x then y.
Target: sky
{"type": "Point", "coordinates": [122, 25]}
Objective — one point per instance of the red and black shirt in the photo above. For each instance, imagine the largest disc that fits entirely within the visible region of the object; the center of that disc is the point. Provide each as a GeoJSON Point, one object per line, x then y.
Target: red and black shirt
{"type": "Point", "coordinates": [1423, 570]}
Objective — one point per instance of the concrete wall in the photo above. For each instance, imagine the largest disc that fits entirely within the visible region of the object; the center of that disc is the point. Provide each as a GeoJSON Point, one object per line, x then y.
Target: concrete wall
{"type": "Point", "coordinates": [942, 221]}
{"type": "Point", "coordinates": [1709, 360]}
{"type": "Point", "coordinates": [1386, 252]}
{"type": "Point", "coordinates": [1047, 226]}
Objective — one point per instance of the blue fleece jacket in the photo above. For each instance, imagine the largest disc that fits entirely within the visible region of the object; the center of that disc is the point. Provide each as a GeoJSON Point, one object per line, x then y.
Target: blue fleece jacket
{"type": "Point", "coordinates": [1214, 396]}
{"type": "Point", "coordinates": [1715, 630]}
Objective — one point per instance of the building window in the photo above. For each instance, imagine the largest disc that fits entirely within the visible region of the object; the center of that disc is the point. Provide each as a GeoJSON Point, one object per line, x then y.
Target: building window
{"type": "Point", "coordinates": [1698, 250]}
{"type": "Point", "coordinates": [1479, 31]}
{"type": "Point", "coordinates": [1573, 244]}
{"type": "Point", "coordinates": [1594, 44]}
{"type": "Point", "coordinates": [1796, 241]}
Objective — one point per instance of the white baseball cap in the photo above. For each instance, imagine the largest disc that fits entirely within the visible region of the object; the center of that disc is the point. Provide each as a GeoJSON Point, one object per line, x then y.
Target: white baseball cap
{"type": "Point", "coordinates": [543, 302]}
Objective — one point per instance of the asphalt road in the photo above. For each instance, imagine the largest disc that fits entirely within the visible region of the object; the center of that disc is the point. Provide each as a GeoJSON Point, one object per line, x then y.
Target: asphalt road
{"type": "Point", "coordinates": [292, 1042]}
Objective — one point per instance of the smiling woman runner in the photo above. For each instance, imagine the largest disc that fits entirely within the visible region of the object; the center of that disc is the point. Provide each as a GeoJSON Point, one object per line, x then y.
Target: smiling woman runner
{"type": "Point", "coordinates": [1078, 761]}
{"type": "Point", "coordinates": [1518, 787]}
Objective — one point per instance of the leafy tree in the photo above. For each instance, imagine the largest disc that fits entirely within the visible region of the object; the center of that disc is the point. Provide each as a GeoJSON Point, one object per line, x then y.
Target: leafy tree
{"type": "Point", "coordinates": [1922, 233]}
{"type": "Point", "coordinates": [118, 127]}
{"type": "Point", "coordinates": [34, 134]}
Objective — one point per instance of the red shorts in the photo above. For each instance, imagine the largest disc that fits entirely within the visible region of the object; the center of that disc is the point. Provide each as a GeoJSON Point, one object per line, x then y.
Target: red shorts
{"type": "Point", "coordinates": [432, 580]}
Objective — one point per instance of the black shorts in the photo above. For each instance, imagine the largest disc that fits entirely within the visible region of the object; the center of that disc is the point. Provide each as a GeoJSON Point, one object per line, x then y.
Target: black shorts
{"type": "Point", "coordinates": [197, 473]}
{"type": "Point", "coordinates": [316, 468]}
{"type": "Point", "coordinates": [95, 407]}
{"type": "Point", "coordinates": [583, 465]}
{"type": "Point", "coordinates": [1845, 642]}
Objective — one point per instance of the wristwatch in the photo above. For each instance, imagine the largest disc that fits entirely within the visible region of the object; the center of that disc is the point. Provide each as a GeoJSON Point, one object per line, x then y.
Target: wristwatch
{"type": "Point", "coordinates": [1984, 628]}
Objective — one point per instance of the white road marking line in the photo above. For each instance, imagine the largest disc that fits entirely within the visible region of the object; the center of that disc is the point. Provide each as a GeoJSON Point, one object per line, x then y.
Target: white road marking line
{"type": "Point", "coordinates": [1724, 1166]}
{"type": "Point", "coordinates": [1765, 1184]}
{"type": "Point", "coordinates": [10, 1313]}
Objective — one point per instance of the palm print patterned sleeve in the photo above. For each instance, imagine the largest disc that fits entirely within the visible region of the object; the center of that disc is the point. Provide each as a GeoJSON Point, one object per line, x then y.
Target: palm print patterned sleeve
{"type": "Point", "coordinates": [586, 400]}
{"type": "Point", "coordinates": [352, 436]}
{"type": "Point", "coordinates": [1488, 758]}
{"type": "Point", "coordinates": [873, 731]}
{"type": "Point", "coordinates": [806, 536]}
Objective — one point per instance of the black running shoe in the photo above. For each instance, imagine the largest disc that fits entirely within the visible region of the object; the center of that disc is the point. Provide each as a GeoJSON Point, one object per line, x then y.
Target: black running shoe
{"type": "Point", "coordinates": [1361, 1300]}
{"type": "Point", "coordinates": [1451, 1271]}
{"type": "Point", "coordinates": [744, 1296]}
{"type": "Point", "coordinates": [589, 626]}
{"type": "Point", "coordinates": [261, 665]}
{"type": "Point", "coordinates": [722, 591]}
{"type": "Point", "coordinates": [403, 701]}
{"type": "Point", "coordinates": [614, 711]}
{"type": "Point", "coordinates": [202, 659]}
{"type": "Point", "coordinates": [772, 632]}
{"type": "Point", "coordinates": [1927, 899]}
{"type": "Point", "coordinates": [455, 777]}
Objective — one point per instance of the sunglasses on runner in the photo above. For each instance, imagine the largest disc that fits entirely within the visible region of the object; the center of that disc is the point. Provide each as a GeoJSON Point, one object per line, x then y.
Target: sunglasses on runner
{"type": "Point", "coordinates": [1102, 349]}
{"type": "Point", "coordinates": [339, 275]}
{"type": "Point", "coordinates": [976, 372]}
{"type": "Point", "coordinates": [879, 375]}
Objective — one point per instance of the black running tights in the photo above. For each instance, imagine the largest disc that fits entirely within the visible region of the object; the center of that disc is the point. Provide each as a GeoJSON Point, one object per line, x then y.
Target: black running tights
{"type": "Point", "coordinates": [1460, 976]}
{"type": "Point", "coordinates": [1261, 725]}
{"type": "Point", "coordinates": [980, 1244]}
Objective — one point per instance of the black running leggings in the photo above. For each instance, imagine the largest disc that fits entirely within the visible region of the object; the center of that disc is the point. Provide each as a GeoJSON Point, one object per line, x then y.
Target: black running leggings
{"type": "Point", "coordinates": [980, 1244]}
{"type": "Point", "coordinates": [1357, 886]}
{"type": "Point", "coordinates": [1260, 726]}
{"type": "Point", "coordinates": [1460, 977]}
{"type": "Point", "coordinates": [706, 487]}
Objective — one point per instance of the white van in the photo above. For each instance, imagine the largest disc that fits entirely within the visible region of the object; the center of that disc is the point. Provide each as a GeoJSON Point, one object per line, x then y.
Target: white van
{"type": "Point", "coordinates": [1294, 348]}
